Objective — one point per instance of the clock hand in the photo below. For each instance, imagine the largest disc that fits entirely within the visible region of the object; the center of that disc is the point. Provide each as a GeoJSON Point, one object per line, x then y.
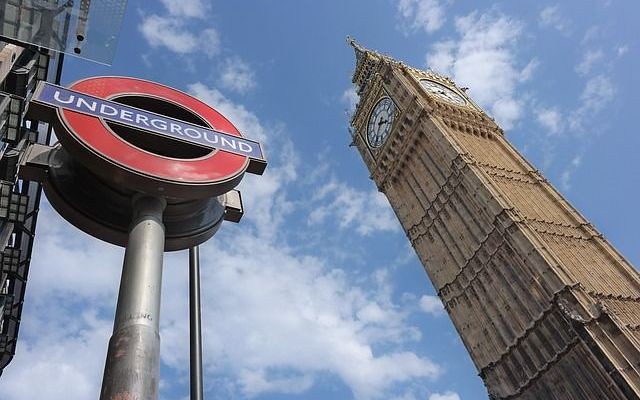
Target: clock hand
{"type": "Point", "coordinates": [382, 121]}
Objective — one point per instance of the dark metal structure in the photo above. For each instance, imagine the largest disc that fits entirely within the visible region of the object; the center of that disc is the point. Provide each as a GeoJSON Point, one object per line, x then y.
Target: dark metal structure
{"type": "Point", "coordinates": [20, 69]}
{"type": "Point", "coordinates": [34, 34]}
{"type": "Point", "coordinates": [195, 326]}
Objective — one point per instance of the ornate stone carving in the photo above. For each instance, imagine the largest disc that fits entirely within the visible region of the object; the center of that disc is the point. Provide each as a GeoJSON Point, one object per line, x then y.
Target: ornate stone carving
{"type": "Point", "coordinates": [545, 305]}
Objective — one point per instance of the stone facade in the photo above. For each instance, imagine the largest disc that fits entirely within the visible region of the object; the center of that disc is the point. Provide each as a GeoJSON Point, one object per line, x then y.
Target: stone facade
{"type": "Point", "coordinates": [546, 307]}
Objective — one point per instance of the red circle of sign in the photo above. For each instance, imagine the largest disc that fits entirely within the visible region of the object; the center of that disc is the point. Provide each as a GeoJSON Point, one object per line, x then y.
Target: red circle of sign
{"type": "Point", "coordinates": [93, 133]}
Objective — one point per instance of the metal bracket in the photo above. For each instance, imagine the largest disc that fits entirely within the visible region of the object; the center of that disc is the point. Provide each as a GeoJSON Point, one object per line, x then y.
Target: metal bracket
{"type": "Point", "coordinates": [232, 202]}
{"type": "Point", "coordinates": [34, 163]}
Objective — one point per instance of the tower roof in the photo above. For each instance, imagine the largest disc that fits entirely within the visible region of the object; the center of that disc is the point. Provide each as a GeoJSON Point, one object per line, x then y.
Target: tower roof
{"type": "Point", "coordinates": [361, 51]}
{"type": "Point", "coordinates": [367, 61]}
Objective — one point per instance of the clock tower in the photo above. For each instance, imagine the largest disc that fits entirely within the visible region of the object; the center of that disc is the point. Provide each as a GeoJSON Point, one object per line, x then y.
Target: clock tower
{"type": "Point", "coordinates": [545, 306]}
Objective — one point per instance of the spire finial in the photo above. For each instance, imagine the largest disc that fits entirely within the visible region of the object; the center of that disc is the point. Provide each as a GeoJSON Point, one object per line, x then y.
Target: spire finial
{"type": "Point", "coordinates": [351, 41]}
{"type": "Point", "coordinates": [358, 49]}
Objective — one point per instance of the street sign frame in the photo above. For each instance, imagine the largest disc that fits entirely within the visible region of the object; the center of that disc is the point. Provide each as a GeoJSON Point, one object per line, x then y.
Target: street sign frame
{"type": "Point", "coordinates": [89, 138]}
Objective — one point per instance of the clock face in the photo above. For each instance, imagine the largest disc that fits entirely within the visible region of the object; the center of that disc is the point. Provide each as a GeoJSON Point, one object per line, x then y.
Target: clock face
{"type": "Point", "coordinates": [380, 122]}
{"type": "Point", "coordinates": [443, 92]}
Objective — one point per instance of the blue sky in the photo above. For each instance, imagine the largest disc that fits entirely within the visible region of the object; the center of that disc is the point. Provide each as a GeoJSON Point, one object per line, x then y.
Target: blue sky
{"type": "Point", "coordinates": [316, 293]}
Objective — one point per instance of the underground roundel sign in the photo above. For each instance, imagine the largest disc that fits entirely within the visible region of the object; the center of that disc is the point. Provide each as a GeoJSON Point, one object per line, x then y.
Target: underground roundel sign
{"type": "Point", "coordinates": [148, 137]}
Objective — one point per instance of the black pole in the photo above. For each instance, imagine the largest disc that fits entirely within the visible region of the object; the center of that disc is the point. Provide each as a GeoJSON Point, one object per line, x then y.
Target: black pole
{"type": "Point", "coordinates": [58, 77]}
{"type": "Point", "coordinates": [195, 331]}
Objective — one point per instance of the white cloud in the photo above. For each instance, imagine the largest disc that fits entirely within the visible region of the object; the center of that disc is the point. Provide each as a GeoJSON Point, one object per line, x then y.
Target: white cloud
{"type": "Point", "coordinates": [65, 363]}
{"type": "Point", "coordinates": [550, 119]}
{"type": "Point", "coordinates": [289, 318]}
{"type": "Point", "coordinates": [210, 42]}
{"type": "Point", "coordinates": [350, 98]}
{"type": "Point", "coordinates": [567, 174]}
{"type": "Point", "coordinates": [247, 122]}
{"type": "Point", "coordinates": [484, 59]}
{"type": "Point", "coordinates": [176, 32]}
{"type": "Point", "coordinates": [63, 334]}
{"type": "Point", "coordinates": [168, 32]}
{"type": "Point", "coordinates": [598, 92]}
{"type": "Point", "coordinates": [589, 59]}
{"type": "Point", "coordinates": [367, 211]}
{"type": "Point", "coordinates": [527, 72]}
{"type": "Point", "coordinates": [579, 123]}
{"type": "Point", "coordinates": [622, 50]}
{"type": "Point", "coordinates": [186, 8]}
{"type": "Point", "coordinates": [255, 383]}
{"type": "Point", "coordinates": [592, 34]}
{"type": "Point", "coordinates": [550, 16]}
{"type": "Point", "coordinates": [265, 197]}
{"type": "Point", "coordinates": [236, 75]}
{"type": "Point", "coordinates": [442, 57]}
{"type": "Point", "coordinates": [173, 34]}
{"type": "Point", "coordinates": [431, 305]}
{"type": "Point", "coordinates": [444, 396]}
{"type": "Point", "coordinates": [428, 15]}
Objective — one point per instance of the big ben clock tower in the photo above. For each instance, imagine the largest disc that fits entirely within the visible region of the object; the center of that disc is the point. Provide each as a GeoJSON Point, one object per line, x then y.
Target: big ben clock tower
{"type": "Point", "coordinates": [546, 307]}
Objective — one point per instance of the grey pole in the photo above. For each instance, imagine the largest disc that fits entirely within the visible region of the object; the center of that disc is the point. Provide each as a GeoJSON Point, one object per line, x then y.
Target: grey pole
{"type": "Point", "coordinates": [195, 336]}
{"type": "Point", "coordinates": [132, 368]}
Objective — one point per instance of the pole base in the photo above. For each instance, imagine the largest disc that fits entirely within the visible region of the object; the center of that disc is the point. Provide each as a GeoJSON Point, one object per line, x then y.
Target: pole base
{"type": "Point", "coordinates": [125, 376]}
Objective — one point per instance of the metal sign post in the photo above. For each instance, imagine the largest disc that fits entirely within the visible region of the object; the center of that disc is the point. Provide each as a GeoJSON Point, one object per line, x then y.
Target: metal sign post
{"type": "Point", "coordinates": [179, 160]}
{"type": "Point", "coordinates": [133, 358]}
{"type": "Point", "coordinates": [195, 327]}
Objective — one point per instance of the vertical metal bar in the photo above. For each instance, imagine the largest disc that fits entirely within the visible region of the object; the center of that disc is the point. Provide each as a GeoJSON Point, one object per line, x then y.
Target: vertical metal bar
{"type": "Point", "coordinates": [132, 368]}
{"type": "Point", "coordinates": [58, 77]}
{"type": "Point", "coordinates": [197, 392]}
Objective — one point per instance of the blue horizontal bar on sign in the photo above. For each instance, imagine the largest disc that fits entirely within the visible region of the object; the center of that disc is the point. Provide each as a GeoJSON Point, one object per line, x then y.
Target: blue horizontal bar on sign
{"type": "Point", "coordinates": [60, 97]}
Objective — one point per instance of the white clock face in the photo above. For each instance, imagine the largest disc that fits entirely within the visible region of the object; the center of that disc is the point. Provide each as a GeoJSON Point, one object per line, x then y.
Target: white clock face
{"type": "Point", "coordinates": [443, 92]}
{"type": "Point", "coordinates": [381, 122]}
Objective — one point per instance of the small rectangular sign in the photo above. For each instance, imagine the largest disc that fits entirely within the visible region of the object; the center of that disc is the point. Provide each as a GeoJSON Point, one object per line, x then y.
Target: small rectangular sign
{"type": "Point", "coordinates": [60, 97]}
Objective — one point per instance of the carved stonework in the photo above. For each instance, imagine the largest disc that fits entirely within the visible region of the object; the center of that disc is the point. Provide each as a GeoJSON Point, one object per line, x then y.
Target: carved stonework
{"type": "Point", "coordinates": [546, 307]}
